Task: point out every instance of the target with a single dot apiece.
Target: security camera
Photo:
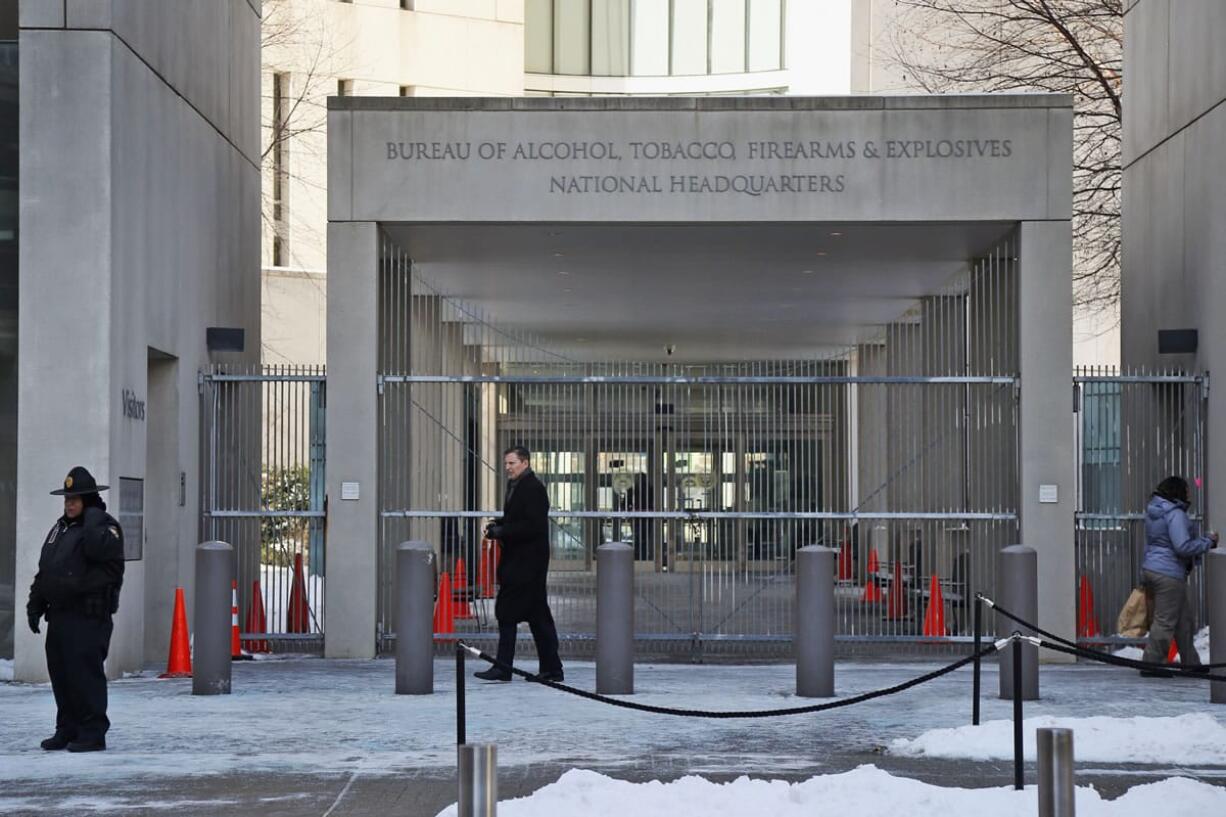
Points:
(669, 349)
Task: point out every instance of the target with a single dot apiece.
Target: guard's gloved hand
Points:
(34, 617)
(494, 531)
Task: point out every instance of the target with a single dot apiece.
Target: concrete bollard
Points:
(211, 661)
(414, 618)
(1017, 590)
(478, 772)
(1057, 792)
(1215, 590)
(815, 622)
(615, 619)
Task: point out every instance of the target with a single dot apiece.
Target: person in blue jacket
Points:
(1172, 548)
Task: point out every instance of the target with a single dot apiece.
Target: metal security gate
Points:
(1133, 430)
(262, 491)
(901, 452)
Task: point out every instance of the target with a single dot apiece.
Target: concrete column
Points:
(353, 529)
(1045, 345)
(1215, 575)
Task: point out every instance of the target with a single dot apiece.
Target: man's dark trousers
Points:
(544, 633)
(77, 645)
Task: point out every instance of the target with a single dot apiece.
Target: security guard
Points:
(77, 590)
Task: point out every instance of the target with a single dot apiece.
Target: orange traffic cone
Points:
(872, 590)
(845, 573)
(934, 616)
(460, 591)
(487, 568)
(1087, 621)
(256, 623)
(298, 617)
(179, 661)
(444, 615)
(897, 607)
(236, 649)
(1172, 653)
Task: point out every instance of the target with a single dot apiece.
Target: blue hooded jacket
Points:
(1171, 544)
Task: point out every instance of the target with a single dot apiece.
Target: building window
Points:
(689, 37)
(280, 169)
(649, 39)
(765, 35)
(610, 38)
(406, 90)
(727, 36)
(538, 36)
(344, 87)
(572, 43)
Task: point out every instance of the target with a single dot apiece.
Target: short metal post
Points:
(1056, 789)
(461, 713)
(414, 618)
(1019, 778)
(615, 619)
(1215, 589)
(815, 622)
(478, 766)
(211, 662)
(1017, 583)
(978, 661)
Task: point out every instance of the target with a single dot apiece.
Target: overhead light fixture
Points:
(821, 253)
(563, 272)
(836, 233)
(559, 255)
(806, 272)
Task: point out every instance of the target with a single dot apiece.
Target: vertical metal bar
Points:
(976, 683)
(1018, 776)
(461, 713)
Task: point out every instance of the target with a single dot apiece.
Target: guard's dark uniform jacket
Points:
(76, 589)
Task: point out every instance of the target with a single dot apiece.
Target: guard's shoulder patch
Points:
(114, 531)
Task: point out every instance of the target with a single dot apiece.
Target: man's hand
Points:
(34, 617)
(493, 531)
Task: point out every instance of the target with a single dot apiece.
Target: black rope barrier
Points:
(761, 713)
(1073, 648)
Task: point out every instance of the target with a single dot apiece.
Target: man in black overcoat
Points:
(523, 530)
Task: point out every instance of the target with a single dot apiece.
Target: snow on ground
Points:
(1193, 738)
(1201, 642)
(276, 583)
(6, 669)
(865, 790)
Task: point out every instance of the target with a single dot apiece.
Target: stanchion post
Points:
(615, 619)
(1019, 778)
(1215, 580)
(478, 767)
(1055, 761)
(460, 706)
(815, 622)
(975, 683)
(212, 662)
(1017, 583)
(414, 618)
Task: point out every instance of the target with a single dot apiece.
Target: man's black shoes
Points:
(556, 677)
(55, 743)
(1156, 673)
(493, 674)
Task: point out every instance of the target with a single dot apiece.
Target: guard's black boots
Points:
(87, 745)
(55, 743)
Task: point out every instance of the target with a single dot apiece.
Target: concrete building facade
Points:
(693, 220)
(1175, 198)
(138, 180)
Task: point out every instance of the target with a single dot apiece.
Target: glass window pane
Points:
(727, 36)
(689, 37)
(538, 36)
(649, 53)
(765, 35)
(610, 38)
(572, 31)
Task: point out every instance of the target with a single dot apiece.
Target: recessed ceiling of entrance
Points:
(713, 292)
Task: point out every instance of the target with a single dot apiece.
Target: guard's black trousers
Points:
(77, 645)
(544, 633)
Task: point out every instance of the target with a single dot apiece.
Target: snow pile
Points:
(6, 669)
(276, 584)
(1186, 739)
(865, 790)
(1200, 641)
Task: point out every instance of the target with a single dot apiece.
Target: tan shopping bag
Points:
(1136, 615)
